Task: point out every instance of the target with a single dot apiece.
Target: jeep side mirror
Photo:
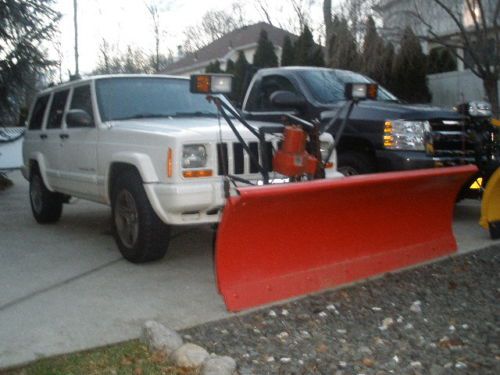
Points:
(78, 118)
(287, 99)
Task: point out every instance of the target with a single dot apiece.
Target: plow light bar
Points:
(211, 83)
(361, 91)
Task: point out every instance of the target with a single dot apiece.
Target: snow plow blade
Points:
(279, 241)
(490, 206)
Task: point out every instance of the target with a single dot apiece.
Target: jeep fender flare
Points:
(141, 162)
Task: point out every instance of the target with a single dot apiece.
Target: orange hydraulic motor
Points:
(292, 160)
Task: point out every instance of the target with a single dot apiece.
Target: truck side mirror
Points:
(78, 118)
(287, 99)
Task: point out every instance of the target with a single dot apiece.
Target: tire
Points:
(45, 205)
(354, 163)
(494, 230)
(139, 233)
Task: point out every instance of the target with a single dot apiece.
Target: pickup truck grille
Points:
(234, 160)
(450, 139)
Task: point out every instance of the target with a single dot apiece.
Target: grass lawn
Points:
(131, 357)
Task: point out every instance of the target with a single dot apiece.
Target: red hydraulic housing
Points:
(292, 160)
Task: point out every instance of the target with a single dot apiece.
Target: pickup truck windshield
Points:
(327, 86)
(138, 97)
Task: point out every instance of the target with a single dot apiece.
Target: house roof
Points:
(235, 40)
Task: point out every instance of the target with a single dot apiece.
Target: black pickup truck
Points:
(382, 135)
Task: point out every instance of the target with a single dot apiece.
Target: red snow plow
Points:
(279, 241)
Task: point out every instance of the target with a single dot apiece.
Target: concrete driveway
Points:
(65, 287)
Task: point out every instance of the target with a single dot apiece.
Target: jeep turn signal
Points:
(197, 173)
(361, 91)
(211, 83)
(170, 163)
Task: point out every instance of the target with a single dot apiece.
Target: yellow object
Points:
(490, 206)
(495, 122)
(477, 184)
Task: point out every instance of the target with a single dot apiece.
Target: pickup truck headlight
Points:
(405, 135)
(194, 156)
(325, 144)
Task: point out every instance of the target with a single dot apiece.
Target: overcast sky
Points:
(127, 22)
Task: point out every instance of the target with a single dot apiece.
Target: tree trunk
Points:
(491, 87)
(327, 15)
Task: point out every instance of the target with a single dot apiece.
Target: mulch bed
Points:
(442, 318)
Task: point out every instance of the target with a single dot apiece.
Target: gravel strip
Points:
(437, 319)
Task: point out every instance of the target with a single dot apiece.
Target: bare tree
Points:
(214, 25)
(155, 7)
(263, 8)
(301, 9)
(477, 36)
(357, 12)
(294, 24)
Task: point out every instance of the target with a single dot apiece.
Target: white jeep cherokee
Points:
(144, 145)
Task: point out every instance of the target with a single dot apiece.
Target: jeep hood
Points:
(184, 127)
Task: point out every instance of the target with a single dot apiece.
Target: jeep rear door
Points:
(79, 148)
(54, 139)
(34, 144)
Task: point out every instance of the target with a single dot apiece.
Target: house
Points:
(447, 88)
(227, 48)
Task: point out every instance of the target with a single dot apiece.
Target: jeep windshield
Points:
(327, 86)
(125, 98)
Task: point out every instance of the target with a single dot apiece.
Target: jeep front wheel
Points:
(139, 233)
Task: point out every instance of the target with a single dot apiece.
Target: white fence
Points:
(11, 141)
(451, 88)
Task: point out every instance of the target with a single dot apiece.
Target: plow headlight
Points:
(361, 91)
(211, 83)
(194, 156)
(405, 135)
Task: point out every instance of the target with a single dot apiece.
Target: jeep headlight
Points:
(194, 156)
(405, 135)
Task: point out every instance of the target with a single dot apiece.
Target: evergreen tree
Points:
(265, 57)
(373, 53)
(388, 63)
(410, 70)
(25, 27)
(230, 67)
(241, 69)
(288, 52)
(306, 51)
(441, 60)
(213, 67)
(344, 51)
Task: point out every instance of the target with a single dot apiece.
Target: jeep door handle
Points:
(64, 136)
(43, 136)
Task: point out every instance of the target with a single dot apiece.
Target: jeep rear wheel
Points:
(45, 205)
(139, 233)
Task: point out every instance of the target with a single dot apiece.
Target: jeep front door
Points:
(79, 151)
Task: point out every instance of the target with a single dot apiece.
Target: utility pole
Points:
(75, 20)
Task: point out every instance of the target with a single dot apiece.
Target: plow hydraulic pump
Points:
(292, 159)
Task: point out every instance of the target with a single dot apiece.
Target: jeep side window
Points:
(38, 112)
(57, 109)
(82, 99)
(259, 98)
